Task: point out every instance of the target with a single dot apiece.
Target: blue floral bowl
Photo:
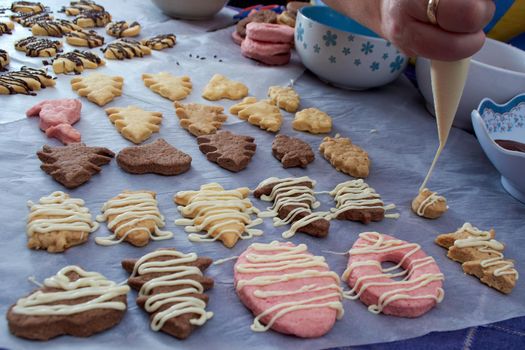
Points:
(342, 52)
(492, 122)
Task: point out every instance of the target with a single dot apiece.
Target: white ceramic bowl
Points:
(342, 52)
(493, 121)
(190, 9)
(497, 71)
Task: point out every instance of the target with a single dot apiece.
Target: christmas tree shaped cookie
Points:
(98, 88)
(168, 86)
(134, 123)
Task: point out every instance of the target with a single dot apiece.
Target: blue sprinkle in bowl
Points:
(342, 52)
(506, 121)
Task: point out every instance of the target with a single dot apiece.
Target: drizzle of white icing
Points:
(375, 243)
(173, 273)
(357, 195)
(288, 192)
(287, 258)
(219, 212)
(432, 199)
(128, 209)
(59, 212)
(89, 284)
(481, 240)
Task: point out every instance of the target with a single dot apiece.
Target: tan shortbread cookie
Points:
(313, 121)
(25, 81)
(125, 49)
(75, 7)
(84, 38)
(135, 124)
(123, 29)
(98, 88)
(58, 222)
(160, 42)
(36, 46)
(481, 255)
(6, 27)
(263, 113)
(284, 97)
(429, 204)
(168, 85)
(56, 27)
(4, 59)
(200, 119)
(345, 156)
(93, 18)
(287, 19)
(220, 87)
(76, 61)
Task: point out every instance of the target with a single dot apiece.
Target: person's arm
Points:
(458, 33)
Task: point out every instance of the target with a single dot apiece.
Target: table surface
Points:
(390, 123)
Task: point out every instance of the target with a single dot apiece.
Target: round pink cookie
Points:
(305, 323)
(269, 32)
(237, 38)
(366, 260)
(265, 52)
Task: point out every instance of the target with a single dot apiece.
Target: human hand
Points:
(457, 34)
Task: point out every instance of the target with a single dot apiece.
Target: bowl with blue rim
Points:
(344, 53)
(500, 129)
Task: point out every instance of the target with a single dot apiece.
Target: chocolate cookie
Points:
(178, 306)
(230, 151)
(293, 203)
(83, 303)
(292, 152)
(74, 164)
(265, 16)
(157, 157)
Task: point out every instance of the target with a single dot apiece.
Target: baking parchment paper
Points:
(390, 123)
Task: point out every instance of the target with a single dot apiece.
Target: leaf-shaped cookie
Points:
(221, 87)
(228, 150)
(167, 85)
(98, 88)
(291, 151)
(284, 97)
(313, 121)
(263, 114)
(200, 119)
(345, 156)
(74, 164)
(134, 123)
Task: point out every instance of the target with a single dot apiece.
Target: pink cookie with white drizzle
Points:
(288, 289)
(418, 292)
(269, 32)
(57, 118)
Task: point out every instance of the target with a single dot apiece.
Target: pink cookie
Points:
(237, 38)
(419, 291)
(54, 113)
(63, 132)
(269, 53)
(288, 289)
(269, 32)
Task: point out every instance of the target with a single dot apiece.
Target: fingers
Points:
(459, 16)
(427, 40)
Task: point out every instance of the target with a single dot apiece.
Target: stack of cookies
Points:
(268, 43)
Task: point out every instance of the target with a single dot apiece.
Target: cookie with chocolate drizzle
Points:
(160, 42)
(27, 7)
(29, 19)
(90, 19)
(122, 29)
(4, 59)
(38, 47)
(25, 81)
(75, 7)
(125, 49)
(76, 61)
(6, 28)
(56, 28)
(84, 38)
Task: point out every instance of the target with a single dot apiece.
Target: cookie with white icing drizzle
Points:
(356, 201)
(171, 289)
(419, 290)
(73, 302)
(288, 289)
(58, 222)
(429, 204)
(293, 200)
(134, 217)
(223, 214)
(481, 255)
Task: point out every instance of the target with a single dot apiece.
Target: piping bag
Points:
(448, 81)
